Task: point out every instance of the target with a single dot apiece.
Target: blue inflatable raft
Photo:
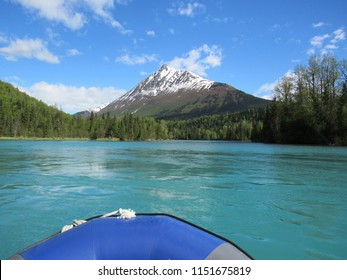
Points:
(144, 237)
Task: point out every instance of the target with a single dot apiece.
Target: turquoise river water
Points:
(276, 202)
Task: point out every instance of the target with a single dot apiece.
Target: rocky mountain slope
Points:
(173, 94)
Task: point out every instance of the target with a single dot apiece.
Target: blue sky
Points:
(77, 54)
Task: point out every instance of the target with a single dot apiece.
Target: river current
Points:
(274, 201)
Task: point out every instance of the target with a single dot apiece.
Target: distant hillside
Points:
(25, 116)
(22, 116)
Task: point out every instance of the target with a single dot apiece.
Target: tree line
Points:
(310, 105)
(243, 126)
(126, 128)
(22, 116)
(26, 117)
(240, 126)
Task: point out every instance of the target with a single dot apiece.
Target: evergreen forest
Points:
(22, 116)
(310, 105)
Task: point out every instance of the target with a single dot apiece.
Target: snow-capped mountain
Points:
(167, 80)
(97, 108)
(171, 93)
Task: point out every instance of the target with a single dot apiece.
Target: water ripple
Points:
(277, 202)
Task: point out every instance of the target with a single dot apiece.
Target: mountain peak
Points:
(166, 67)
(169, 68)
(167, 80)
(170, 93)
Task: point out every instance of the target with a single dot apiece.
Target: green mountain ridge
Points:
(186, 104)
(176, 94)
(25, 116)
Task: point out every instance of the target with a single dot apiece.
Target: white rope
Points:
(110, 214)
(75, 223)
(120, 213)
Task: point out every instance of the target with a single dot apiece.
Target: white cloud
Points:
(279, 26)
(190, 9)
(72, 13)
(14, 80)
(317, 41)
(102, 9)
(54, 37)
(296, 60)
(56, 10)
(319, 24)
(266, 90)
(28, 48)
(123, 2)
(172, 31)
(73, 99)
(199, 60)
(3, 38)
(311, 51)
(218, 19)
(135, 59)
(339, 35)
(324, 46)
(73, 52)
(330, 47)
(150, 33)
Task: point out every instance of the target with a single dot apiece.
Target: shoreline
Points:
(75, 139)
(148, 140)
(45, 139)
